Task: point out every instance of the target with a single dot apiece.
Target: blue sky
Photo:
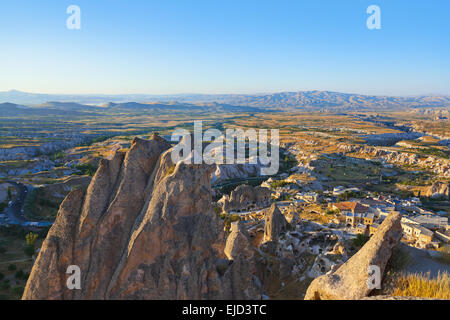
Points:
(209, 46)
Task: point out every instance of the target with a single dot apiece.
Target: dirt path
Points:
(14, 261)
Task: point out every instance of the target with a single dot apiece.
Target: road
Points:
(14, 212)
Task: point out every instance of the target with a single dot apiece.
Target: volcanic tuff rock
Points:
(349, 282)
(437, 190)
(439, 166)
(225, 172)
(246, 198)
(275, 224)
(238, 242)
(144, 229)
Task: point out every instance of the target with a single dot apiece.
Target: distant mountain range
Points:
(8, 109)
(277, 101)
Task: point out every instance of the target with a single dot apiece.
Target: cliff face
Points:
(145, 228)
(142, 230)
(437, 190)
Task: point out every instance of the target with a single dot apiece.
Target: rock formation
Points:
(437, 190)
(349, 282)
(439, 166)
(225, 172)
(275, 224)
(245, 198)
(144, 229)
(238, 243)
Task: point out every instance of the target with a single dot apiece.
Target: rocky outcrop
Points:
(275, 224)
(388, 139)
(144, 229)
(349, 282)
(48, 276)
(437, 190)
(245, 198)
(439, 166)
(58, 191)
(238, 243)
(225, 172)
(26, 153)
(244, 272)
(25, 167)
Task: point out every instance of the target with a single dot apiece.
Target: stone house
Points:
(307, 196)
(423, 235)
(361, 228)
(349, 206)
(373, 228)
(369, 219)
(352, 219)
(408, 230)
(419, 233)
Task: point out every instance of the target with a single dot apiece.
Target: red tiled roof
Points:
(351, 206)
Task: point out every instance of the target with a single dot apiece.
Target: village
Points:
(360, 212)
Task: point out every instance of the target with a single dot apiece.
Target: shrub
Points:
(420, 285)
(360, 240)
(2, 250)
(87, 169)
(229, 219)
(277, 184)
(1, 276)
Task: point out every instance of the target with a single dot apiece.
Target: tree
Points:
(9, 193)
(31, 239)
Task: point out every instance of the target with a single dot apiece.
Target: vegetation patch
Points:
(422, 285)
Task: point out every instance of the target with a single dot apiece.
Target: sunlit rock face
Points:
(143, 229)
(349, 282)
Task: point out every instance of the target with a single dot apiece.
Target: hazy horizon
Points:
(218, 93)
